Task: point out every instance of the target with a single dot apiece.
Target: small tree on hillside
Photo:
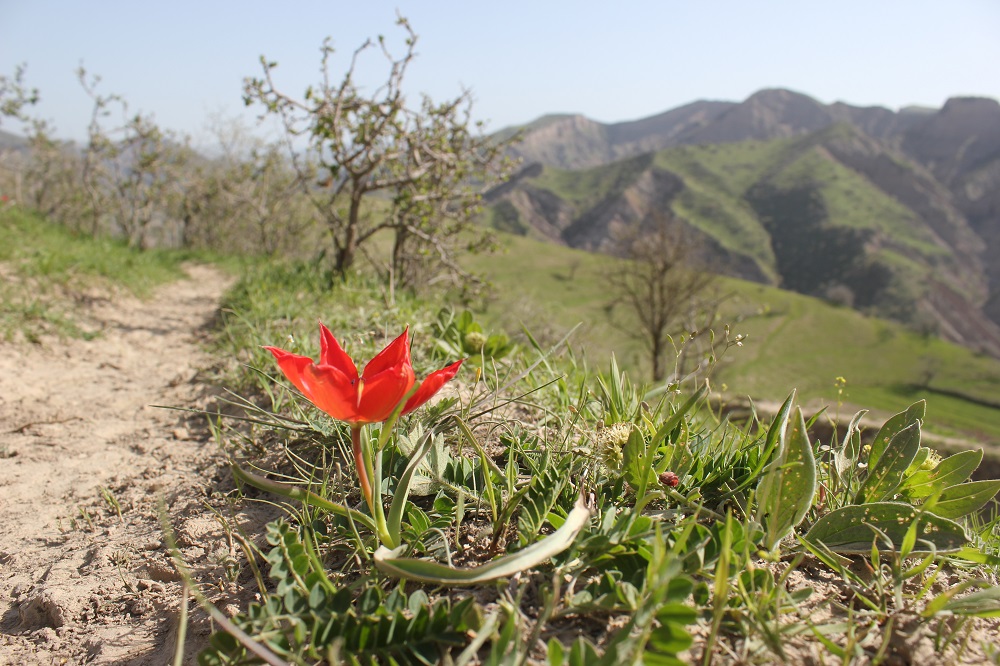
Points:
(369, 163)
(658, 284)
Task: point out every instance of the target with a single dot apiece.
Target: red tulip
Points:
(334, 385)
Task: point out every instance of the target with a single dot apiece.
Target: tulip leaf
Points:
(402, 492)
(426, 571)
(302, 495)
(951, 471)
(786, 491)
(886, 473)
(963, 499)
(853, 529)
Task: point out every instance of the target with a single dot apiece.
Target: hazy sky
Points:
(611, 61)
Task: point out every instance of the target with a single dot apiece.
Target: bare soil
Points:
(81, 441)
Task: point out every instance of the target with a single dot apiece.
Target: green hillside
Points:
(794, 341)
(801, 213)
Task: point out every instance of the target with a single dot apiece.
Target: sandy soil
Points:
(79, 433)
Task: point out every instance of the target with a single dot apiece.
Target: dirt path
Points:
(77, 583)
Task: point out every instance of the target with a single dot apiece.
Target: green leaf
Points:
(786, 491)
(951, 471)
(402, 493)
(894, 426)
(671, 423)
(963, 499)
(850, 448)
(556, 656)
(984, 603)
(886, 473)
(970, 554)
(543, 493)
(852, 529)
(637, 462)
(777, 430)
(923, 453)
(426, 571)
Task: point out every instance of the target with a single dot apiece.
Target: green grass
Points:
(585, 189)
(716, 178)
(806, 344)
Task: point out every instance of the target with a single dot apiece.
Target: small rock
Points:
(138, 607)
(181, 434)
(151, 585)
(46, 635)
(44, 607)
(162, 572)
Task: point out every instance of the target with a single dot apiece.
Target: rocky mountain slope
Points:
(896, 212)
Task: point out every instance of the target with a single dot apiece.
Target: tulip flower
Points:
(334, 385)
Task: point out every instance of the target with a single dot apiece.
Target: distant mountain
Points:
(574, 141)
(891, 211)
(10, 141)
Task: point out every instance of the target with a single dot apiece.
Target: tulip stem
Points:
(369, 469)
(362, 467)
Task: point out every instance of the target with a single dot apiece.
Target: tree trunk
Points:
(656, 356)
(349, 245)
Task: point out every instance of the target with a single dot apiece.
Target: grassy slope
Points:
(718, 176)
(795, 341)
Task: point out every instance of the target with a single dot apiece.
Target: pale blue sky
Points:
(611, 61)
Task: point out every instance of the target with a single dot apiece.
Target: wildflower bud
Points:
(930, 462)
(610, 441)
(474, 341)
(669, 479)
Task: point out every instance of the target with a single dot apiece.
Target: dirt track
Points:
(78, 583)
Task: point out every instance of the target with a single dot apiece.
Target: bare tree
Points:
(658, 284)
(369, 163)
(132, 170)
(15, 96)
(247, 198)
(52, 176)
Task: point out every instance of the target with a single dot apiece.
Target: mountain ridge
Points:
(908, 200)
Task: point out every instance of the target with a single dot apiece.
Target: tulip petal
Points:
(292, 365)
(383, 392)
(332, 391)
(431, 385)
(325, 386)
(396, 352)
(331, 353)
